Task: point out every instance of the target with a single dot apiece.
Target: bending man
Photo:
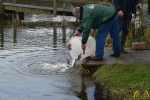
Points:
(104, 19)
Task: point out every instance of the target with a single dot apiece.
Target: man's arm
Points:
(118, 8)
(79, 30)
(139, 4)
(117, 5)
(87, 24)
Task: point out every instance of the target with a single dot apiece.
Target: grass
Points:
(124, 79)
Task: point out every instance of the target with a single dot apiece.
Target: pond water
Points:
(33, 64)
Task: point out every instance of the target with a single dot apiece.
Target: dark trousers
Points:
(124, 23)
(148, 5)
(103, 30)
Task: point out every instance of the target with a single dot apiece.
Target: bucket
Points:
(75, 50)
(139, 45)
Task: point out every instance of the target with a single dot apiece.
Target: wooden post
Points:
(2, 36)
(1, 7)
(54, 8)
(148, 7)
(64, 5)
(14, 1)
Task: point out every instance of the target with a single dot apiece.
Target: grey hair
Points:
(76, 10)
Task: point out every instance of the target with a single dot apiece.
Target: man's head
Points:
(76, 12)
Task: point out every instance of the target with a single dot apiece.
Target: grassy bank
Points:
(124, 79)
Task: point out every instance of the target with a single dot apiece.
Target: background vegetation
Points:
(145, 1)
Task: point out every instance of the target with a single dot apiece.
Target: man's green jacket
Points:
(92, 15)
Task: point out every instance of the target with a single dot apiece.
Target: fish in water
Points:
(73, 62)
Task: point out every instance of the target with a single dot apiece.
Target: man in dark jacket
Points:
(148, 7)
(125, 9)
(104, 19)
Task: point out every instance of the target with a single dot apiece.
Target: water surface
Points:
(34, 63)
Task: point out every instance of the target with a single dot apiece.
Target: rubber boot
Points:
(123, 40)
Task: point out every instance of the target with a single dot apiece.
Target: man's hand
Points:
(120, 13)
(76, 33)
(83, 48)
(139, 6)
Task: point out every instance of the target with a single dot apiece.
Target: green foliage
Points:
(84, 72)
(145, 1)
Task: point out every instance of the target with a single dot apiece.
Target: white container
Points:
(74, 47)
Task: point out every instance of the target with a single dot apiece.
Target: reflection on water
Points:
(33, 64)
(94, 92)
(86, 88)
(1, 37)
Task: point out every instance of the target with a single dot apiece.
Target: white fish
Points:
(75, 60)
